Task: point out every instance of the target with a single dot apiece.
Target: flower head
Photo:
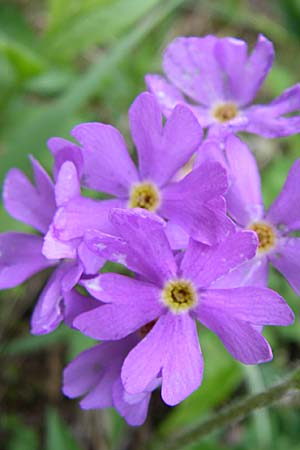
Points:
(95, 375)
(23, 254)
(193, 203)
(172, 293)
(275, 227)
(221, 81)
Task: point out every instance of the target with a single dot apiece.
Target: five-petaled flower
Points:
(275, 227)
(22, 254)
(173, 292)
(195, 203)
(219, 81)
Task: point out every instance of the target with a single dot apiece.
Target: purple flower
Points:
(194, 203)
(22, 255)
(221, 81)
(95, 375)
(275, 228)
(174, 292)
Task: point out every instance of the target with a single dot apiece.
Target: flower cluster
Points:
(187, 222)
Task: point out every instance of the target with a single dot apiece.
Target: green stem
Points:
(228, 415)
(261, 418)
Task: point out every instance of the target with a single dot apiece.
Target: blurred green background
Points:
(67, 61)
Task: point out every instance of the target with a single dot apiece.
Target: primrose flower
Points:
(171, 294)
(195, 203)
(218, 80)
(21, 254)
(275, 227)
(95, 375)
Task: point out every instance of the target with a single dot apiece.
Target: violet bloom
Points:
(21, 254)
(174, 294)
(220, 81)
(195, 203)
(275, 227)
(95, 375)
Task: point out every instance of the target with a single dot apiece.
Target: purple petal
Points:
(256, 305)
(183, 364)
(120, 289)
(81, 214)
(287, 102)
(75, 304)
(94, 372)
(251, 273)
(205, 225)
(48, 313)
(26, 202)
(100, 396)
(110, 359)
(172, 345)
(145, 235)
(68, 185)
(146, 129)
(255, 70)
(20, 258)
(191, 65)
(285, 210)
(53, 248)
(84, 371)
(108, 166)
(286, 259)
(244, 199)
(204, 264)
(134, 413)
(134, 300)
(91, 262)
(211, 150)
(186, 203)
(167, 95)
(114, 249)
(231, 55)
(243, 341)
(62, 151)
(177, 237)
(144, 362)
(207, 181)
(72, 275)
(268, 120)
(162, 152)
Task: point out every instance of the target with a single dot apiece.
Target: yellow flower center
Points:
(223, 112)
(266, 236)
(144, 195)
(179, 295)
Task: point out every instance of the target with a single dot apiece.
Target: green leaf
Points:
(51, 82)
(13, 25)
(280, 78)
(18, 43)
(19, 435)
(31, 344)
(31, 134)
(291, 11)
(58, 435)
(99, 24)
(60, 10)
(23, 59)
